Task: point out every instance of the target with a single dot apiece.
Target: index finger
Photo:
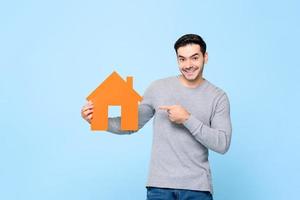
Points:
(165, 108)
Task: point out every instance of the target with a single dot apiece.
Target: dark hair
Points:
(190, 39)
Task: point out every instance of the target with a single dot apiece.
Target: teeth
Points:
(189, 71)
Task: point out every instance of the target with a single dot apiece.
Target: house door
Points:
(114, 111)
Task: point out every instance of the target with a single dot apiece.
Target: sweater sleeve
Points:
(217, 136)
(145, 113)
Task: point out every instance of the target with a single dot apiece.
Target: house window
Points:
(114, 111)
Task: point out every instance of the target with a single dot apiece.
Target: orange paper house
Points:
(117, 92)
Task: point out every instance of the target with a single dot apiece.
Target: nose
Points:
(188, 64)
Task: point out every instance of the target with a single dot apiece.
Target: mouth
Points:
(189, 71)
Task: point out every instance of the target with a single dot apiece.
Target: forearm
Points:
(216, 139)
(114, 124)
(145, 113)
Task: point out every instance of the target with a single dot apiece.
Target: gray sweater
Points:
(179, 157)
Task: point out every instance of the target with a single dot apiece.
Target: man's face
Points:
(191, 61)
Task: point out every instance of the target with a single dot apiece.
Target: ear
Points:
(205, 57)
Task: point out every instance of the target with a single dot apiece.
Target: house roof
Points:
(115, 86)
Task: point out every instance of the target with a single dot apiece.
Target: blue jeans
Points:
(154, 193)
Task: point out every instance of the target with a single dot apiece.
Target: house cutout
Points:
(117, 92)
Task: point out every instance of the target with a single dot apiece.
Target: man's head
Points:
(191, 56)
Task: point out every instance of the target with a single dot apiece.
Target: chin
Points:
(192, 79)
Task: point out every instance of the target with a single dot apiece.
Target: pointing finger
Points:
(167, 108)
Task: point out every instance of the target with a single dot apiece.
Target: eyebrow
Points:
(196, 54)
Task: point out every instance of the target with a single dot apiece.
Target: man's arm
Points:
(217, 136)
(145, 113)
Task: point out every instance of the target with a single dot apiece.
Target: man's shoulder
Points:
(163, 81)
(159, 85)
(215, 90)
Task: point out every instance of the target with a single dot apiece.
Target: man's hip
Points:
(156, 193)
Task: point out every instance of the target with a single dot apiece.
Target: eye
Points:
(195, 58)
(181, 59)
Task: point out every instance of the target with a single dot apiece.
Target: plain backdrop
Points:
(54, 53)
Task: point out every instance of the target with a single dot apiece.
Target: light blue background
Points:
(54, 53)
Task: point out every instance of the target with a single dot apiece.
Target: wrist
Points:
(187, 116)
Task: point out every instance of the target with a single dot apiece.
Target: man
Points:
(191, 115)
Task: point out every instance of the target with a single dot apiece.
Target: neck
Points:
(191, 84)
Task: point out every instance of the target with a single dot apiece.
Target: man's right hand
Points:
(87, 111)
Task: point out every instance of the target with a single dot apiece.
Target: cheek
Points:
(200, 64)
(181, 66)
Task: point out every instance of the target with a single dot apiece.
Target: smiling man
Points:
(191, 117)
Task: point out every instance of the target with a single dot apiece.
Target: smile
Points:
(189, 71)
